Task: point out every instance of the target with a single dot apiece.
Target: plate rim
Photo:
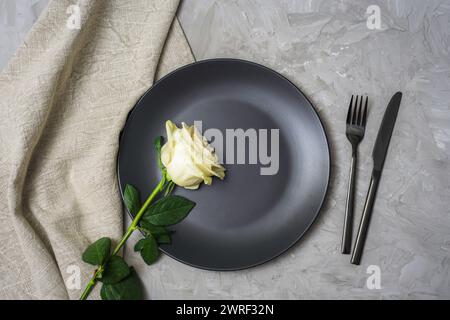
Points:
(283, 78)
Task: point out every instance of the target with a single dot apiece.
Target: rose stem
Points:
(130, 230)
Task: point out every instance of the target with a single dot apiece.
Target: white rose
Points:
(188, 157)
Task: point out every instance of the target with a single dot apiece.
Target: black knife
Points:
(379, 155)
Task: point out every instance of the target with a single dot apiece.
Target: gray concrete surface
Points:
(326, 48)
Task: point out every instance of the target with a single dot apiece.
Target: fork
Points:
(355, 128)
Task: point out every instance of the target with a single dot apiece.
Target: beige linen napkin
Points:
(63, 99)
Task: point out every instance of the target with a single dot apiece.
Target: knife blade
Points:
(379, 156)
(385, 132)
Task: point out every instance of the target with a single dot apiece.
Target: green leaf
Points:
(97, 252)
(149, 251)
(164, 239)
(152, 229)
(139, 245)
(132, 199)
(168, 210)
(116, 269)
(157, 144)
(128, 289)
(148, 248)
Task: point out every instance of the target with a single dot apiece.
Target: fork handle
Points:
(348, 219)
(365, 218)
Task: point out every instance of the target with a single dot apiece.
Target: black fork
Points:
(356, 124)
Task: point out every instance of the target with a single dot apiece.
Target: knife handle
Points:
(348, 219)
(365, 218)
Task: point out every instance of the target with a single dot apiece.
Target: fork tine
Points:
(364, 118)
(355, 110)
(349, 111)
(359, 116)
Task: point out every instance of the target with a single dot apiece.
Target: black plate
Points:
(248, 218)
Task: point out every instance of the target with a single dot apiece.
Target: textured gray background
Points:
(325, 47)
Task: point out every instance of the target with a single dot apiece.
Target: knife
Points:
(379, 155)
